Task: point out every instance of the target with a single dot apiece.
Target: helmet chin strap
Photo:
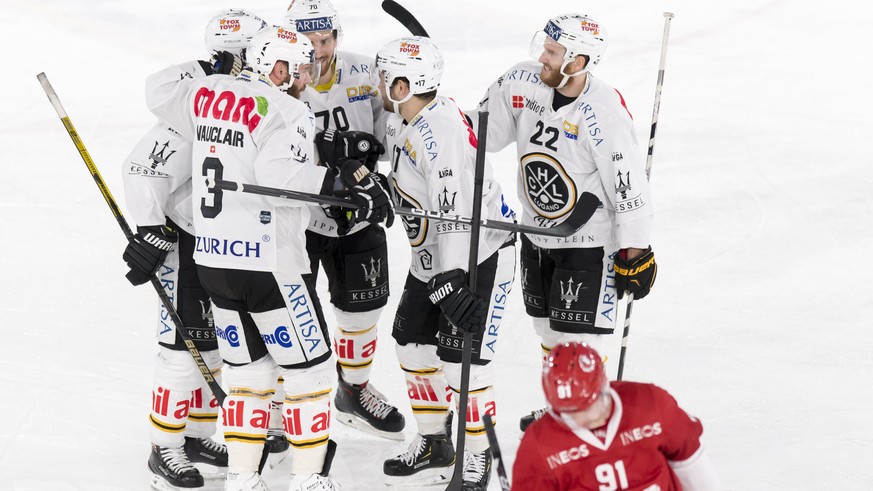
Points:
(396, 102)
(566, 76)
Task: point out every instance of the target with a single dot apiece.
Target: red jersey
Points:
(647, 429)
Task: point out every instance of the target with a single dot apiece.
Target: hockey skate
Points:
(206, 451)
(534, 415)
(317, 482)
(364, 408)
(477, 470)
(249, 481)
(429, 460)
(172, 470)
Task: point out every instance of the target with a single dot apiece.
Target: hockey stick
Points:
(113, 206)
(495, 452)
(403, 16)
(467, 347)
(579, 216)
(668, 16)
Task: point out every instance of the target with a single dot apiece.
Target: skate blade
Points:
(160, 484)
(358, 423)
(427, 477)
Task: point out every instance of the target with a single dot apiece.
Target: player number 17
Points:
(611, 476)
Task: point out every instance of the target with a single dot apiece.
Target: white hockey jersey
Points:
(157, 179)
(352, 102)
(243, 129)
(433, 166)
(587, 145)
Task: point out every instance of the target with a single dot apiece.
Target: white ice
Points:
(760, 322)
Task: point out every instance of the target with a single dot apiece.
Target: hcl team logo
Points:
(375, 271)
(568, 294)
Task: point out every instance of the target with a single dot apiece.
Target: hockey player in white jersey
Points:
(250, 251)
(574, 133)
(157, 184)
(349, 118)
(433, 153)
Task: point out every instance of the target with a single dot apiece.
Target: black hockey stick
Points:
(403, 16)
(467, 344)
(217, 391)
(668, 16)
(495, 452)
(579, 215)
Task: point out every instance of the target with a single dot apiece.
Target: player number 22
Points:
(611, 476)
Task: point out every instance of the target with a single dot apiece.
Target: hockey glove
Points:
(334, 146)
(344, 218)
(226, 63)
(636, 275)
(147, 250)
(374, 203)
(462, 308)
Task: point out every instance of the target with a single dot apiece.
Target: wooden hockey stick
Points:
(668, 16)
(402, 15)
(495, 452)
(219, 393)
(579, 215)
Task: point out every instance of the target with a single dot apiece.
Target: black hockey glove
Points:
(462, 308)
(226, 63)
(334, 146)
(147, 250)
(373, 201)
(344, 218)
(636, 275)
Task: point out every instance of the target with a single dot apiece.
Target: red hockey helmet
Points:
(573, 377)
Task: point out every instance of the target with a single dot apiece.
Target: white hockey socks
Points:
(355, 344)
(182, 403)
(306, 416)
(480, 401)
(246, 413)
(426, 386)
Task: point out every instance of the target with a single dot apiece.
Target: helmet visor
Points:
(542, 44)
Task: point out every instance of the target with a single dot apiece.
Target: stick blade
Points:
(403, 16)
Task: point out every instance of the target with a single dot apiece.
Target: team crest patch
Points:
(548, 188)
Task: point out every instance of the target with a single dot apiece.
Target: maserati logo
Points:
(568, 293)
(160, 158)
(623, 185)
(524, 272)
(447, 201)
(375, 271)
(206, 312)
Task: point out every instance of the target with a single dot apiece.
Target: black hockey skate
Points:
(362, 407)
(534, 415)
(172, 469)
(206, 451)
(477, 470)
(429, 460)
(276, 441)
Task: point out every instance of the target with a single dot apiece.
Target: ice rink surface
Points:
(760, 321)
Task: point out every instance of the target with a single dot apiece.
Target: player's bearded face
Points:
(324, 43)
(552, 58)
